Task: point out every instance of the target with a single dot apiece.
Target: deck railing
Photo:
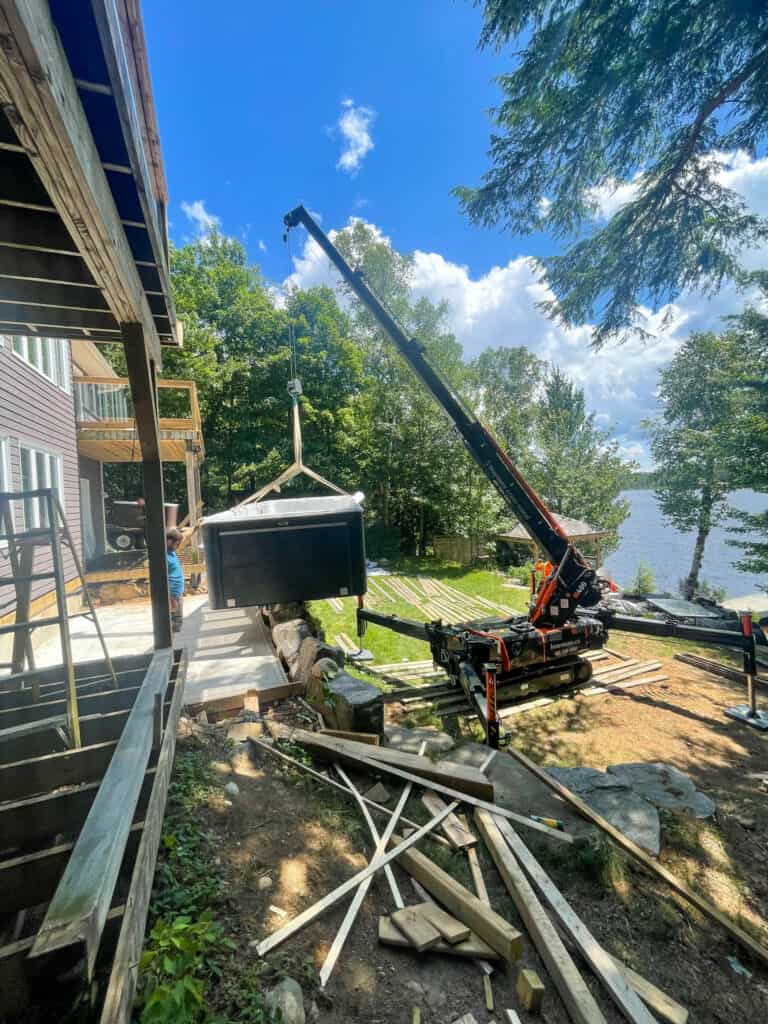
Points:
(105, 403)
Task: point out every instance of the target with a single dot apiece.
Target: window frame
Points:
(57, 352)
(6, 480)
(31, 510)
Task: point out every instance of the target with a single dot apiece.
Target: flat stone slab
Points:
(409, 740)
(663, 785)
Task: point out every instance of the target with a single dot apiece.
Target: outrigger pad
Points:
(743, 713)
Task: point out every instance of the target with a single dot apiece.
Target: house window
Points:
(40, 469)
(49, 356)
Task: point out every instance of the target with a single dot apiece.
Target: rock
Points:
(264, 883)
(630, 814)
(410, 740)
(232, 789)
(188, 729)
(285, 612)
(748, 823)
(313, 1014)
(585, 780)
(288, 638)
(323, 668)
(378, 793)
(663, 785)
(312, 650)
(347, 703)
(202, 718)
(287, 999)
(239, 732)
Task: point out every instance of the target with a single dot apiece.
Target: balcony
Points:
(106, 428)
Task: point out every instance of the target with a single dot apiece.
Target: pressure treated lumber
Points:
(79, 908)
(397, 898)
(451, 930)
(578, 1000)
(118, 1001)
(716, 669)
(460, 778)
(359, 737)
(474, 865)
(457, 835)
(336, 785)
(87, 703)
(530, 990)
(466, 907)
(276, 938)
(358, 758)
(473, 947)
(421, 934)
(744, 940)
(601, 963)
(663, 1006)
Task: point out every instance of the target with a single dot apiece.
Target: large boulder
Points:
(288, 638)
(347, 703)
(312, 650)
(278, 613)
(286, 1001)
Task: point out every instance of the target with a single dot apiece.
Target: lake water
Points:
(646, 537)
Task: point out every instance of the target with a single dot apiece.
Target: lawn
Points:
(388, 647)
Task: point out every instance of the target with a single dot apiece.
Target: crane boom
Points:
(573, 582)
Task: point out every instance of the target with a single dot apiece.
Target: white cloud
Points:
(500, 307)
(354, 126)
(262, 246)
(196, 212)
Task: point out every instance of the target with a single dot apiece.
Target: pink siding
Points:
(37, 413)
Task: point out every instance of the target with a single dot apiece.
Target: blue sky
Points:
(377, 110)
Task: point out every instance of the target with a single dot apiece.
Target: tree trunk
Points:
(702, 532)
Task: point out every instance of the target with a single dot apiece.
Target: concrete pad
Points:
(410, 740)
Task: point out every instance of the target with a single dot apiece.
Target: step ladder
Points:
(44, 508)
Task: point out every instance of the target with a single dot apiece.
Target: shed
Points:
(578, 531)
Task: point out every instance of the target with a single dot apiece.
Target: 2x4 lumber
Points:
(79, 908)
(35, 775)
(308, 915)
(388, 873)
(747, 943)
(25, 822)
(457, 835)
(87, 703)
(578, 1000)
(474, 868)
(451, 930)
(358, 760)
(55, 691)
(465, 907)
(118, 1001)
(30, 880)
(466, 780)
(336, 785)
(371, 738)
(141, 374)
(357, 900)
(601, 963)
(472, 947)
(37, 84)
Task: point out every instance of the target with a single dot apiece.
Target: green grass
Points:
(387, 646)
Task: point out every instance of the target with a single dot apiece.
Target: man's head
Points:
(172, 538)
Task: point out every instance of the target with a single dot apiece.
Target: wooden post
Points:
(193, 505)
(141, 375)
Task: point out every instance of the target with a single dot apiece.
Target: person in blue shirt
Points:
(175, 578)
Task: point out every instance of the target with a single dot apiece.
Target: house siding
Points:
(91, 470)
(35, 412)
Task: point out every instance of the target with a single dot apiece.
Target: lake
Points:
(644, 536)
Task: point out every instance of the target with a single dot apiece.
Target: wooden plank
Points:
(451, 930)
(416, 928)
(27, 822)
(121, 989)
(662, 1004)
(488, 991)
(50, 124)
(358, 761)
(31, 879)
(627, 684)
(308, 915)
(23, 779)
(473, 947)
(457, 835)
(474, 868)
(752, 946)
(78, 910)
(88, 704)
(578, 1000)
(485, 922)
(716, 669)
(360, 737)
(361, 803)
(601, 963)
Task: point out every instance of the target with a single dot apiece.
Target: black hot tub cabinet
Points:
(293, 549)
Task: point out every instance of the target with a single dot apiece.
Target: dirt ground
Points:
(307, 840)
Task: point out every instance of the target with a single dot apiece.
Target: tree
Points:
(505, 383)
(687, 442)
(576, 468)
(647, 95)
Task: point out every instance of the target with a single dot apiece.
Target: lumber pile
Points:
(450, 920)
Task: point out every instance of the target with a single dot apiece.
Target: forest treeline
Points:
(368, 424)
